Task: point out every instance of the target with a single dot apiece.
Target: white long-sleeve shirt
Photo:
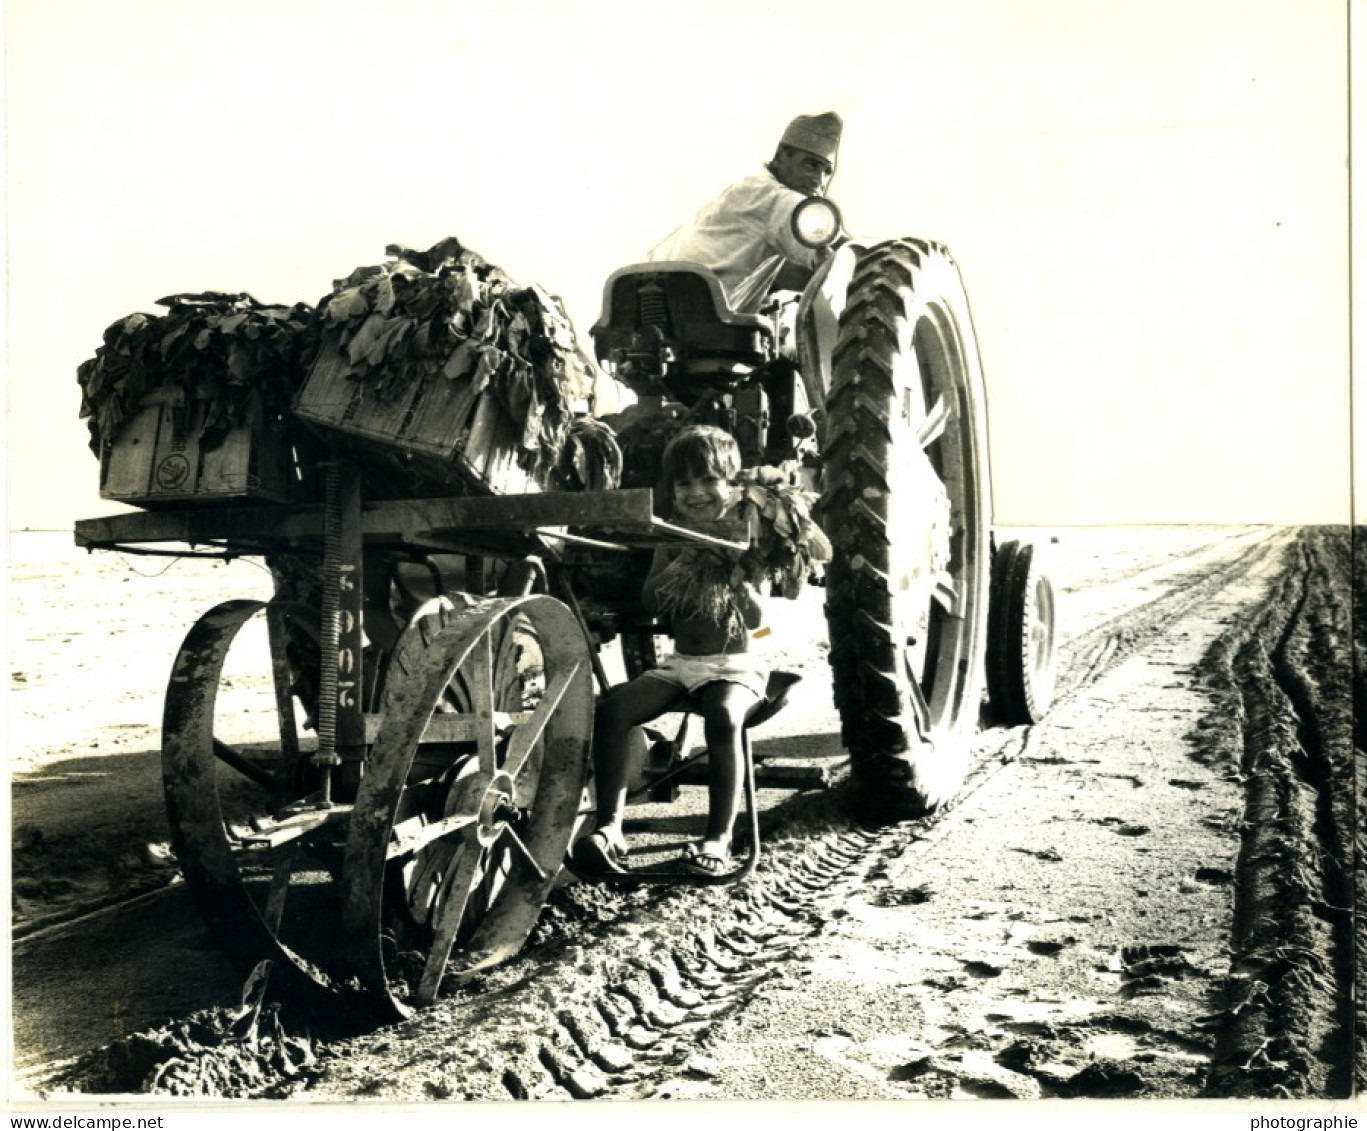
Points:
(749, 222)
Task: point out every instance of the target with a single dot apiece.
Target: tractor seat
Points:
(685, 304)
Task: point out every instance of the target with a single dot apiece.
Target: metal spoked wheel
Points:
(1021, 655)
(471, 793)
(905, 502)
(258, 855)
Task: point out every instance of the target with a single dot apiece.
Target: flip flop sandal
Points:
(596, 855)
(698, 862)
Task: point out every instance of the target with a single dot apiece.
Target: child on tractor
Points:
(712, 670)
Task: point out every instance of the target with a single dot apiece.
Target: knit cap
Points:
(819, 134)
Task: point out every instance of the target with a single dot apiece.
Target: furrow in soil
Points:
(1284, 673)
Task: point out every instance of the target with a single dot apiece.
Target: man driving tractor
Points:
(738, 235)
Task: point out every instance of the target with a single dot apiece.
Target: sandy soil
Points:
(1146, 895)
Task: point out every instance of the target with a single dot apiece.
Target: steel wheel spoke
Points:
(526, 852)
(946, 594)
(920, 707)
(283, 681)
(933, 426)
(424, 878)
(505, 665)
(253, 771)
(529, 732)
(415, 834)
(480, 682)
(452, 900)
(274, 913)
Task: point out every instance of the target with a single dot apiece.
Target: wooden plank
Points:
(380, 420)
(629, 509)
(332, 398)
(126, 468)
(174, 471)
(457, 425)
(442, 416)
(195, 527)
(177, 468)
(326, 393)
(226, 469)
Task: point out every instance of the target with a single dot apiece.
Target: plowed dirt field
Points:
(1148, 894)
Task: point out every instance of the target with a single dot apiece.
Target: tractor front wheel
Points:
(1021, 656)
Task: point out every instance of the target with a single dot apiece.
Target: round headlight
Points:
(816, 222)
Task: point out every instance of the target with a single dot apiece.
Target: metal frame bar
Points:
(624, 517)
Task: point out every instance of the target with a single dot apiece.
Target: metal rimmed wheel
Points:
(471, 794)
(257, 850)
(1021, 653)
(905, 501)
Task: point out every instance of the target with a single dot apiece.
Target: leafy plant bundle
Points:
(216, 348)
(785, 547)
(590, 459)
(448, 314)
(643, 432)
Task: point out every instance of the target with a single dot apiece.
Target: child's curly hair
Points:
(696, 451)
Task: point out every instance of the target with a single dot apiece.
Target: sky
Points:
(1148, 199)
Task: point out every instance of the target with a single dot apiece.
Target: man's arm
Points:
(778, 229)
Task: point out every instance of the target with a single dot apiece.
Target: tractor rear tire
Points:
(1021, 659)
(905, 502)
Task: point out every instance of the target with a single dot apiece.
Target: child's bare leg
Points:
(723, 707)
(624, 707)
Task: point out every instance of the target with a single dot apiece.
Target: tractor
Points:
(866, 385)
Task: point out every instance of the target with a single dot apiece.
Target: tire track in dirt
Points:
(618, 1006)
(641, 1029)
(1284, 676)
(1101, 646)
(1202, 544)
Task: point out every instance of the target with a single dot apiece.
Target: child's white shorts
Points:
(694, 672)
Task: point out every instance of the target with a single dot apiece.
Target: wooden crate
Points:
(446, 430)
(157, 457)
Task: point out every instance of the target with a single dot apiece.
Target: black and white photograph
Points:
(748, 553)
